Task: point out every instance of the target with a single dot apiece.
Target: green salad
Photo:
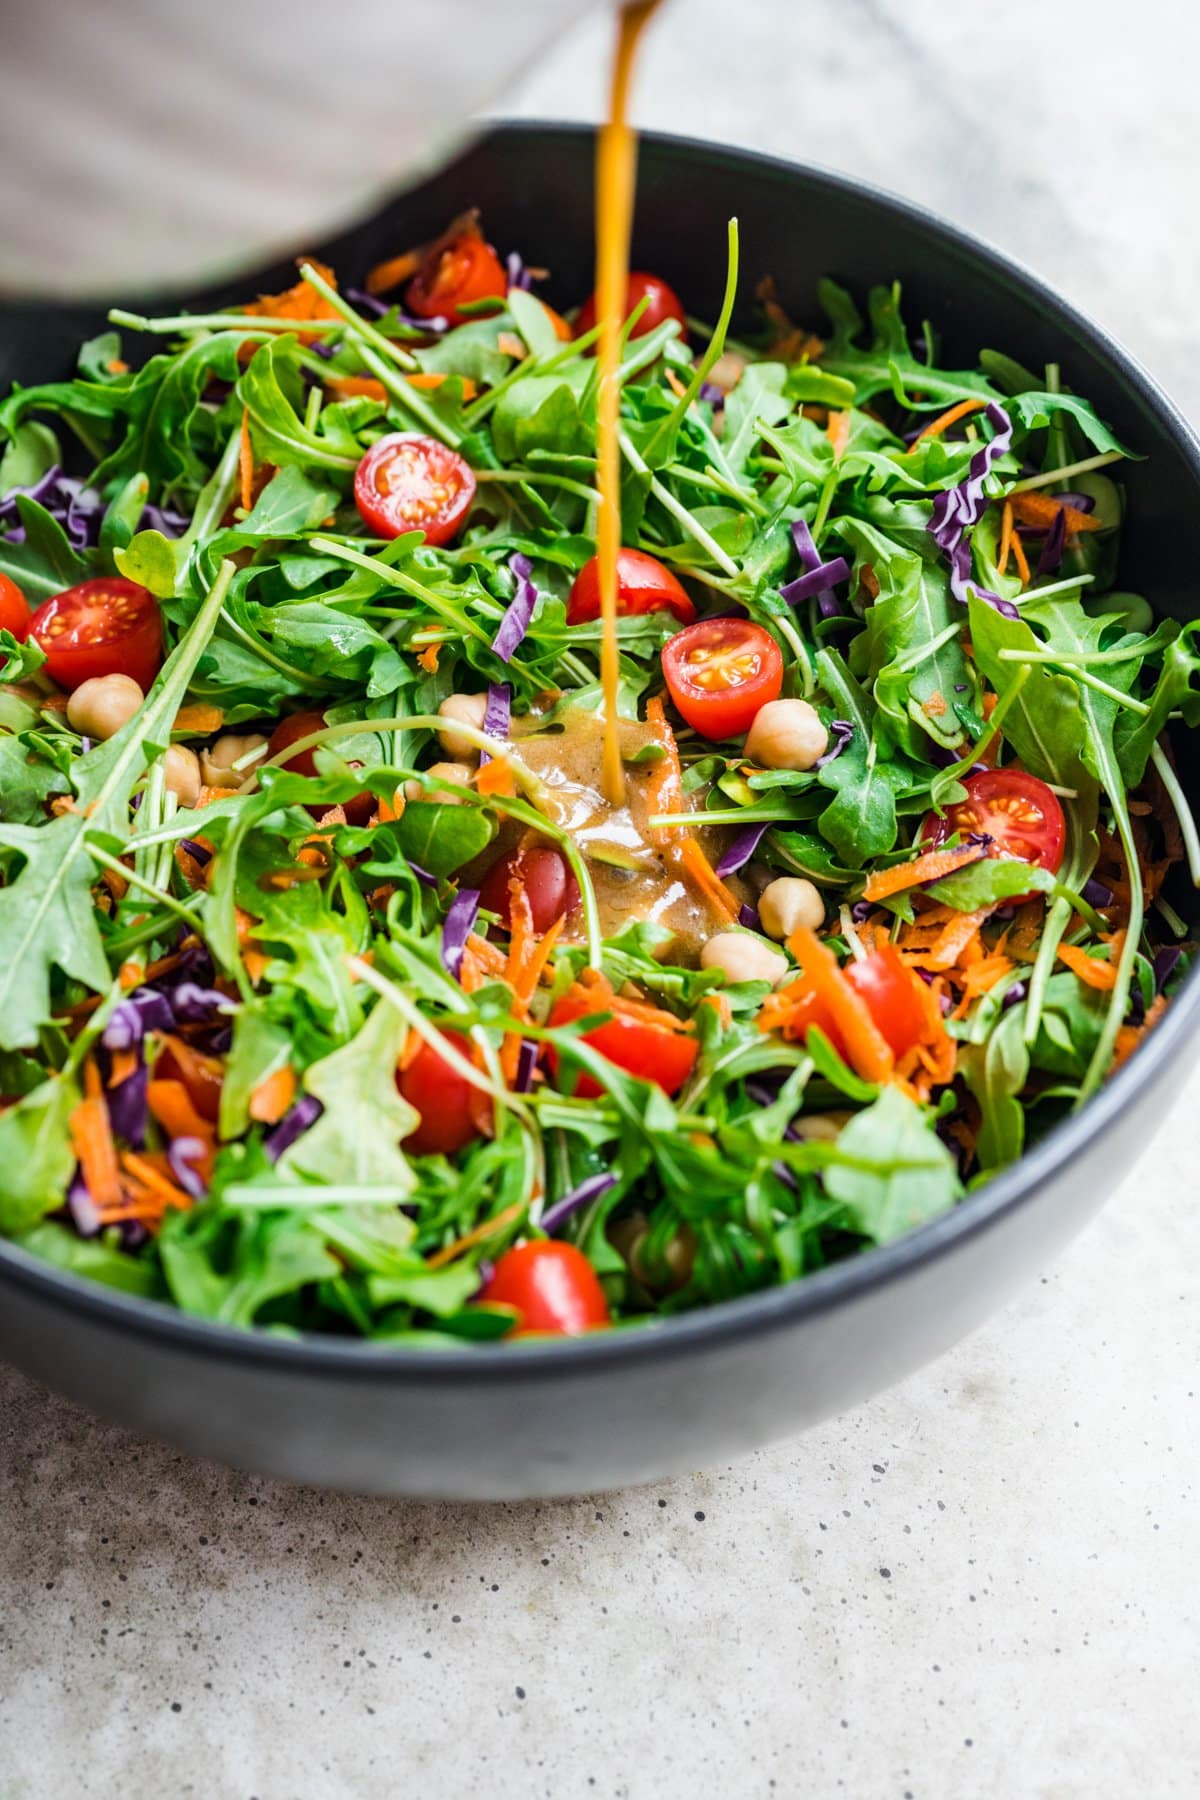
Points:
(337, 991)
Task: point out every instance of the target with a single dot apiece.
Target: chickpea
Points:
(216, 763)
(98, 708)
(787, 903)
(821, 1128)
(181, 770)
(671, 1271)
(442, 771)
(744, 957)
(786, 734)
(461, 709)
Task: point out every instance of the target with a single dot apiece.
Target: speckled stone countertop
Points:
(981, 1584)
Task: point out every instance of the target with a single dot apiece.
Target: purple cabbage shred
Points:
(561, 1211)
(294, 1124)
(843, 731)
(957, 510)
(1051, 557)
(1165, 964)
(515, 623)
(497, 713)
(1096, 894)
(748, 917)
(457, 928)
(517, 274)
(182, 1153)
(527, 1058)
(742, 848)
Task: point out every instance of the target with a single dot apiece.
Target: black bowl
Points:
(555, 1418)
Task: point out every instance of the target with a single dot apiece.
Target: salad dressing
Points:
(616, 160)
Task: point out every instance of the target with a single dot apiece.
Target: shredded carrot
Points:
(664, 789)
(720, 1005)
(246, 462)
(116, 366)
(954, 939)
(867, 1049)
(495, 777)
(1091, 970)
(945, 420)
(433, 378)
(92, 1141)
(122, 1064)
(1130, 1036)
(488, 1229)
(387, 810)
(1006, 537)
(673, 382)
(143, 1171)
(697, 866)
(428, 658)
(352, 387)
(272, 1097)
(597, 990)
(932, 866)
(838, 433)
(200, 719)
(535, 963)
(521, 932)
(1021, 560)
(171, 1105)
(391, 273)
(1033, 508)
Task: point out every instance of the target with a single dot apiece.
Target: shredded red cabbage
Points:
(182, 1152)
(742, 848)
(1052, 550)
(85, 1214)
(127, 1106)
(957, 510)
(561, 1211)
(294, 1123)
(527, 1058)
(518, 275)
(1095, 892)
(842, 731)
(748, 916)
(458, 925)
(515, 623)
(497, 713)
(1165, 964)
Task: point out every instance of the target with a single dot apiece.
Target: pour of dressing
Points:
(616, 163)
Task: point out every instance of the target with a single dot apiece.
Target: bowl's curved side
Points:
(544, 1419)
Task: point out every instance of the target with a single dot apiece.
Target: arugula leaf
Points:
(860, 822)
(93, 1258)
(438, 838)
(36, 1158)
(357, 1138)
(892, 1172)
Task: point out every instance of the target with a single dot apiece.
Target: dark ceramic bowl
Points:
(555, 1418)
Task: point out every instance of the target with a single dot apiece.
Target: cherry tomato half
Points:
(454, 275)
(449, 1106)
(549, 885)
(359, 807)
(553, 1286)
(1018, 812)
(643, 586)
(890, 989)
(107, 626)
(407, 482)
(651, 1052)
(720, 671)
(662, 303)
(14, 609)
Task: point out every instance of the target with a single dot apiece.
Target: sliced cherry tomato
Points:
(552, 1285)
(454, 275)
(14, 609)
(1018, 812)
(720, 671)
(449, 1106)
(643, 586)
(359, 807)
(107, 626)
(549, 884)
(662, 303)
(640, 1047)
(890, 990)
(407, 482)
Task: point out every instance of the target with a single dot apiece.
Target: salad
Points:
(334, 993)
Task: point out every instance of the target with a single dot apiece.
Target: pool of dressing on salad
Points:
(630, 864)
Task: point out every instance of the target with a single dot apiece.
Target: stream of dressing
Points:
(616, 164)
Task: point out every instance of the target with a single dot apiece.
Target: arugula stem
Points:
(409, 397)
(391, 577)
(247, 323)
(1183, 812)
(716, 345)
(143, 883)
(362, 328)
(679, 511)
(1076, 468)
(1073, 664)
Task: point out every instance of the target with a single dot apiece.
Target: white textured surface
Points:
(983, 1583)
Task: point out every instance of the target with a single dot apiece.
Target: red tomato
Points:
(549, 884)
(640, 1047)
(107, 626)
(890, 990)
(663, 303)
(449, 1106)
(553, 1286)
(643, 586)
(455, 274)
(299, 725)
(720, 671)
(1018, 812)
(14, 609)
(407, 482)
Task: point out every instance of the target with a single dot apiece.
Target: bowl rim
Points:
(771, 1309)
